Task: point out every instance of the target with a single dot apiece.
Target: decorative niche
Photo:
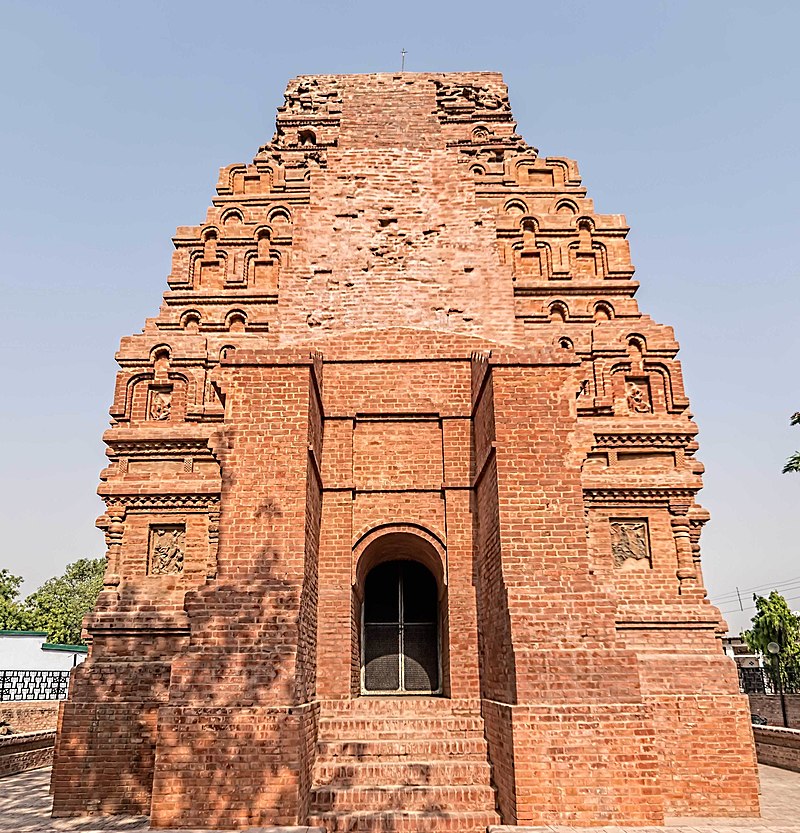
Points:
(159, 402)
(637, 395)
(630, 542)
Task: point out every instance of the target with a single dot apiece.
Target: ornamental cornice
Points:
(298, 120)
(492, 142)
(166, 446)
(294, 196)
(179, 297)
(502, 190)
(545, 231)
(643, 440)
(170, 501)
(141, 362)
(598, 496)
(475, 116)
(594, 290)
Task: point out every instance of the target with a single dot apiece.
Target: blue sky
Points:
(684, 116)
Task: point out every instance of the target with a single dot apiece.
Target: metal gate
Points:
(400, 630)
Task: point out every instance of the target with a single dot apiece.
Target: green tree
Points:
(774, 622)
(793, 463)
(13, 616)
(60, 604)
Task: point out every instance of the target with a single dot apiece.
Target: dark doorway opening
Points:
(400, 637)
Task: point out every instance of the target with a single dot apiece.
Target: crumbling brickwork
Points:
(401, 335)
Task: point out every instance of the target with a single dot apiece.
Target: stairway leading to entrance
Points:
(402, 764)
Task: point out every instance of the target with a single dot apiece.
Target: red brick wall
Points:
(776, 746)
(29, 750)
(769, 706)
(233, 693)
(104, 759)
(498, 677)
(402, 333)
(30, 715)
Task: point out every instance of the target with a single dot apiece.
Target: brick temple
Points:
(401, 518)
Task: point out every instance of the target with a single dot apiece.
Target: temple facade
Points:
(401, 502)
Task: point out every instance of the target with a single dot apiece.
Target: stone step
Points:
(410, 750)
(389, 728)
(400, 706)
(404, 822)
(398, 797)
(432, 773)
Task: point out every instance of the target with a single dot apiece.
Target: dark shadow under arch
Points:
(400, 629)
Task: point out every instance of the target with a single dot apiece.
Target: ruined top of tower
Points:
(394, 200)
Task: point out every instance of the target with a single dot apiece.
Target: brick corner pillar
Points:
(570, 738)
(235, 740)
(111, 714)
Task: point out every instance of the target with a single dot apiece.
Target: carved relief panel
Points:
(159, 402)
(630, 542)
(637, 395)
(157, 396)
(166, 549)
(461, 99)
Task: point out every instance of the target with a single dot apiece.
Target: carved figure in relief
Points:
(166, 550)
(160, 405)
(629, 540)
(638, 399)
(457, 96)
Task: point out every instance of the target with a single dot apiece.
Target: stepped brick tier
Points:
(401, 518)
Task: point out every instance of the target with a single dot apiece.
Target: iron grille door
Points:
(401, 633)
(420, 657)
(382, 657)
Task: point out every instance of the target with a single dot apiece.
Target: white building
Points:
(29, 651)
(737, 649)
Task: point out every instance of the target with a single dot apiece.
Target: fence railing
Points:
(33, 685)
(755, 681)
(758, 681)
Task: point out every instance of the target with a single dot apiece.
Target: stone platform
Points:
(25, 805)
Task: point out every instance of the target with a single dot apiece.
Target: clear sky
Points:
(684, 116)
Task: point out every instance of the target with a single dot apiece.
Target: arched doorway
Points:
(400, 630)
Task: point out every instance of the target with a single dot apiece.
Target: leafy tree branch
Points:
(58, 606)
(793, 463)
(775, 622)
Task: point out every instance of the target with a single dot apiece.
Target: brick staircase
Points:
(402, 764)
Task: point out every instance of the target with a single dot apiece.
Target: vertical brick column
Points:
(334, 648)
(568, 732)
(462, 639)
(335, 628)
(234, 740)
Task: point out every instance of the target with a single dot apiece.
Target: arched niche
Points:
(399, 613)
(399, 541)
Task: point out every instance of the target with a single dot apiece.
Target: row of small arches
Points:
(162, 353)
(279, 214)
(601, 311)
(235, 320)
(235, 178)
(496, 155)
(564, 206)
(262, 235)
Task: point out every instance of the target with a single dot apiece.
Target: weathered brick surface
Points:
(776, 746)
(27, 750)
(769, 707)
(400, 333)
(30, 715)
